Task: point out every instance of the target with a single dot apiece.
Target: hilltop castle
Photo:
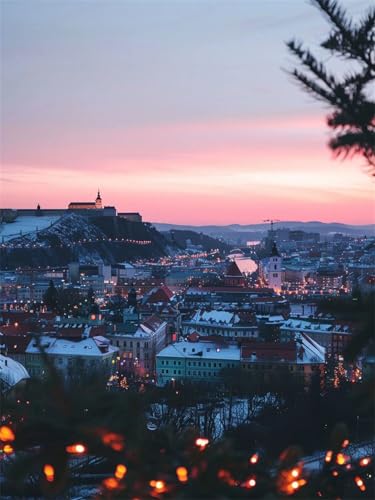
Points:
(87, 205)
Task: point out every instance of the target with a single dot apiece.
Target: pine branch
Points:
(309, 61)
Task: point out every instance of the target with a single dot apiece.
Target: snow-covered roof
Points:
(312, 351)
(246, 265)
(63, 347)
(309, 326)
(201, 350)
(11, 372)
(215, 316)
(276, 318)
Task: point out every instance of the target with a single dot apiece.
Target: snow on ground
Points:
(26, 224)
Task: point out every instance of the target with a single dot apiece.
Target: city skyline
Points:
(180, 111)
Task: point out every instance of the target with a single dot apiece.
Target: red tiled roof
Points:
(15, 344)
(153, 322)
(13, 330)
(160, 294)
(270, 351)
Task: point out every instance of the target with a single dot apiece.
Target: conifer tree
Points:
(352, 116)
(50, 297)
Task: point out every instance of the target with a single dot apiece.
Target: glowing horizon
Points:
(185, 122)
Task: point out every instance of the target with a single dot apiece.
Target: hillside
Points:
(75, 238)
(98, 239)
(184, 238)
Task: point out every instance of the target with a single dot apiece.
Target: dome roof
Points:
(11, 372)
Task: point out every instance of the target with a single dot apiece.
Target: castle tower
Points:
(98, 201)
(274, 269)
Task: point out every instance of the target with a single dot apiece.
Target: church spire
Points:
(274, 250)
(98, 201)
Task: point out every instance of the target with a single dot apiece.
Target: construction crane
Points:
(271, 221)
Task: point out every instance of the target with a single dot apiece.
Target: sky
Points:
(182, 110)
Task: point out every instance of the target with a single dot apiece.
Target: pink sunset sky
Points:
(172, 109)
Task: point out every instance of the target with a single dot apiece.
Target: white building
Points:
(271, 270)
(71, 357)
(140, 343)
(228, 324)
(195, 361)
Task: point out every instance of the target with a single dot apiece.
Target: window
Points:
(275, 275)
(162, 362)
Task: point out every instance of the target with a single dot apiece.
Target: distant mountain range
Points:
(240, 233)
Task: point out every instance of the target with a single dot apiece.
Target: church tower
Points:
(274, 269)
(98, 201)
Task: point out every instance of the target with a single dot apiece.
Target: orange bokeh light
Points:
(77, 449)
(49, 472)
(6, 433)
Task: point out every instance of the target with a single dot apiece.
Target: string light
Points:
(6, 434)
(251, 482)
(121, 471)
(364, 461)
(8, 449)
(110, 483)
(254, 458)
(341, 459)
(77, 449)
(328, 456)
(201, 443)
(114, 441)
(182, 474)
(359, 482)
(49, 472)
(158, 485)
